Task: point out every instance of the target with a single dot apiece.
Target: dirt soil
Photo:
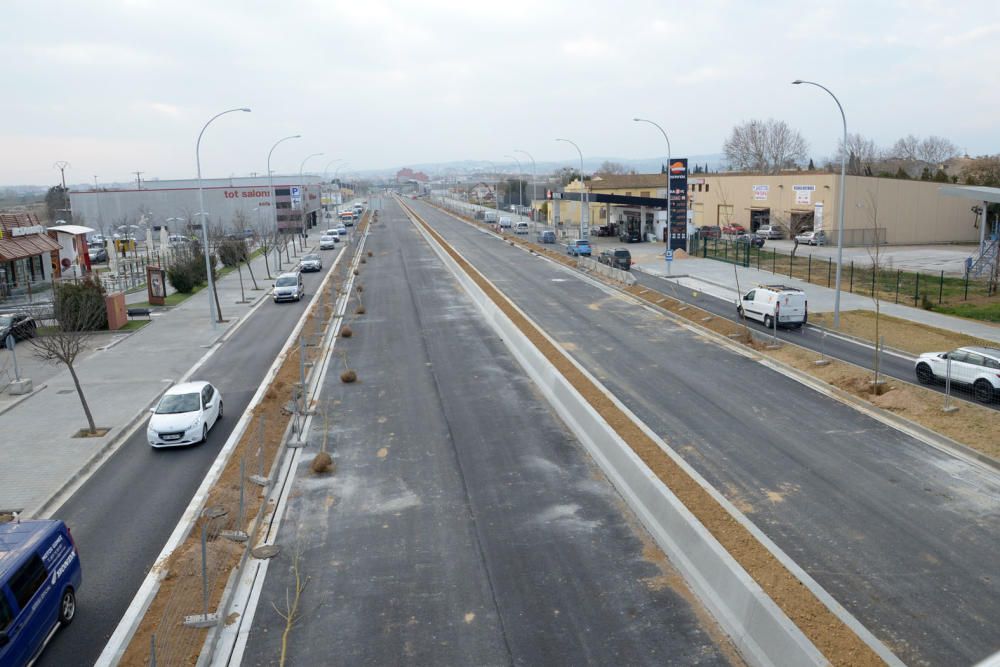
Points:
(180, 591)
(899, 334)
(829, 634)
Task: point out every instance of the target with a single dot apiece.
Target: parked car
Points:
(310, 262)
(21, 325)
(546, 236)
(98, 253)
(753, 239)
(578, 247)
(328, 241)
(627, 235)
(770, 232)
(288, 287)
(185, 415)
(40, 575)
(619, 258)
(786, 306)
(734, 229)
(607, 230)
(710, 232)
(812, 238)
(976, 367)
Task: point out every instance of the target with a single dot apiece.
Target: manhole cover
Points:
(266, 551)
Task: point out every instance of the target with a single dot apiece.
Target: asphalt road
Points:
(464, 525)
(891, 365)
(122, 516)
(902, 534)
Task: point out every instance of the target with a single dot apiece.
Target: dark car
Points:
(629, 236)
(546, 236)
(98, 254)
(710, 232)
(754, 240)
(619, 258)
(19, 324)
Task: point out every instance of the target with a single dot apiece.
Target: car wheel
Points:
(67, 607)
(983, 391)
(739, 311)
(220, 412)
(204, 433)
(768, 322)
(924, 374)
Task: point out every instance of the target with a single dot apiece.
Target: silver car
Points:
(288, 287)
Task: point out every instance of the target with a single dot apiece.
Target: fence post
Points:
(851, 290)
(809, 269)
(966, 286)
(898, 273)
(791, 262)
(916, 290)
(774, 262)
(941, 288)
(829, 270)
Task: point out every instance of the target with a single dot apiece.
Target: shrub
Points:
(83, 302)
(346, 331)
(232, 252)
(321, 463)
(188, 271)
(348, 376)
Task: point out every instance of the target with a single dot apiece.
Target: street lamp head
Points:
(245, 109)
(797, 82)
(638, 120)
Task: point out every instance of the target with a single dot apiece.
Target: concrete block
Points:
(19, 387)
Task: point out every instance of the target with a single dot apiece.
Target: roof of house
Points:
(17, 247)
(619, 181)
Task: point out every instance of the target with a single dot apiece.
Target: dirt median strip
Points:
(825, 630)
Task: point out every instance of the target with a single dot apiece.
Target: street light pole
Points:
(270, 181)
(496, 189)
(213, 306)
(670, 188)
(840, 206)
(534, 180)
(520, 192)
(303, 186)
(583, 207)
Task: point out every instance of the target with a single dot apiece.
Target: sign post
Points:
(677, 195)
(669, 256)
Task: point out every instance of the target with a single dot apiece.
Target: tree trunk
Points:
(215, 294)
(250, 269)
(267, 264)
(83, 399)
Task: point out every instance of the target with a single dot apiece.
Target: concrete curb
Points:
(758, 627)
(22, 399)
(119, 640)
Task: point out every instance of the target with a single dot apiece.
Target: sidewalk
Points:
(120, 382)
(718, 279)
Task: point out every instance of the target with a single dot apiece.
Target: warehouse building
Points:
(232, 205)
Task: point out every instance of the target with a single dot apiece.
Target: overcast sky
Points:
(114, 86)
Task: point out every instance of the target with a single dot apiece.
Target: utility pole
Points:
(138, 179)
(62, 165)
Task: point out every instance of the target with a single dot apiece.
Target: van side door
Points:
(34, 618)
(749, 305)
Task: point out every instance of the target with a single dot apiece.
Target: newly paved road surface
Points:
(464, 525)
(901, 534)
(122, 516)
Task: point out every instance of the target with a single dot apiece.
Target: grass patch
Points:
(989, 312)
(899, 334)
(172, 299)
(134, 325)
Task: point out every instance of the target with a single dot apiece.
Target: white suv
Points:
(977, 367)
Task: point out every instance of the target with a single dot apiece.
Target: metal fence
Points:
(914, 288)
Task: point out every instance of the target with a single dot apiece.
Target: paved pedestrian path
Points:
(121, 381)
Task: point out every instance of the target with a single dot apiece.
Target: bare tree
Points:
(907, 148)
(862, 154)
(79, 312)
(874, 253)
(764, 145)
(610, 168)
(937, 150)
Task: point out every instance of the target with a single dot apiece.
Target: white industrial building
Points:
(231, 204)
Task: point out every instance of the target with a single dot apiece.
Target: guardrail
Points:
(611, 273)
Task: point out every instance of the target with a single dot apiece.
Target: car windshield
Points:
(173, 404)
(311, 258)
(286, 281)
(6, 320)
(582, 243)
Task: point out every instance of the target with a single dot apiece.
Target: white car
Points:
(812, 238)
(976, 367)
(770, 232)
(185, 415)
(328, 241)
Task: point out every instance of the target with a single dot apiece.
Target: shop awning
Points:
(19, 247)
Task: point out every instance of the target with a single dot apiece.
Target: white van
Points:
(521, 227)
(505, 222)
(787, 306)
(490, 216)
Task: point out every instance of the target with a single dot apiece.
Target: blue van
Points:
(39, 576)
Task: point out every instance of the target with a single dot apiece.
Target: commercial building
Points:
(897, 211)
(29, 258)
(232, 204)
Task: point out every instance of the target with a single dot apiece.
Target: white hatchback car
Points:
(328, 241)
(976, 367)
(185, 415)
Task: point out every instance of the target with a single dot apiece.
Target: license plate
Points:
(171, 437)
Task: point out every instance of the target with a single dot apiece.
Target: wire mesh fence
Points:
(944, 293)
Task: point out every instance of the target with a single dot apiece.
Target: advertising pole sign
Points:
(296, 195)
(818, 217)
(678, 194)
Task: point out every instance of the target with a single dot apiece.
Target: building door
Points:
(759, 217)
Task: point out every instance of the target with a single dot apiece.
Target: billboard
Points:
(677, 178)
